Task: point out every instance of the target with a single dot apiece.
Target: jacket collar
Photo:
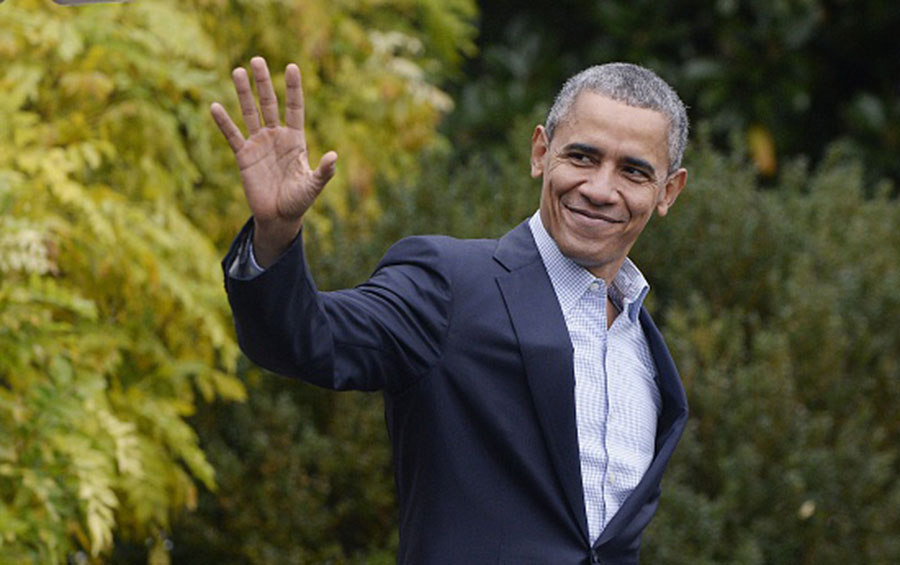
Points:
(516, 249)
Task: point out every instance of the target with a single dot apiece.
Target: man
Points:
(531, 402)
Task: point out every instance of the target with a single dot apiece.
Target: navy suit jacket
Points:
(467, 341)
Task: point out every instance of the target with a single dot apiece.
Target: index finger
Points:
(294, 111)
(226, 125)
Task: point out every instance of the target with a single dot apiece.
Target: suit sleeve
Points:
(384, 334)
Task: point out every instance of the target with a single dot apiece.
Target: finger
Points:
(231, 132)
(294, 111)
(268, 103)
(245, 97)
(325, 170)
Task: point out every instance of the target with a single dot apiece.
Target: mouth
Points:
(592, 216)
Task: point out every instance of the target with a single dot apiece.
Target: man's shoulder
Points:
(441, 248)
(464, 259)
(471, 248)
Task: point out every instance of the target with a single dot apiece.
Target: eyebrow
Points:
(596, 152)
(583, 148)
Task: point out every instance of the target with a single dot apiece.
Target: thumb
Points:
(325, 170)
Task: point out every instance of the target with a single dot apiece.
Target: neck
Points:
(612, 311)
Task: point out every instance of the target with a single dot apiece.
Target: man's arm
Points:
(384, 334)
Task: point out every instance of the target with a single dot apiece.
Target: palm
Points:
(275, 172)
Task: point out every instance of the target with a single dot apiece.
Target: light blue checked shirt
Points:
(617, 402)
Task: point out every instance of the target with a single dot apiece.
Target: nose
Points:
(600, 187)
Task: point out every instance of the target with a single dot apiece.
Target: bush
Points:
(777, 305)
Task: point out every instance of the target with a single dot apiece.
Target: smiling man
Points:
(531, 402)
(604, 173)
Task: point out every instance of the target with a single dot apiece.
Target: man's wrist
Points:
(272, 239)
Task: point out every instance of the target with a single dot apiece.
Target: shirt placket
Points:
(592, 400)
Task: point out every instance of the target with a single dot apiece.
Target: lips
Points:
(592, 215)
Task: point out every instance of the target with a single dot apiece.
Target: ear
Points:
(673, 187)
(539, 147)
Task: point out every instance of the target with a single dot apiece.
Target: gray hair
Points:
(632, 85)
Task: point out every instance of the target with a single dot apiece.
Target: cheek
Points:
(563, 180)
(642, 204)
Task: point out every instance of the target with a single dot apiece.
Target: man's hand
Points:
(278, 182)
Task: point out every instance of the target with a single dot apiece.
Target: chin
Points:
(595, 262)
(583, 257)
(577, 248)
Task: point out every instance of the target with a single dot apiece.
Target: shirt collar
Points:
(570, 280)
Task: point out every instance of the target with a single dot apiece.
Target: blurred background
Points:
(132, 430)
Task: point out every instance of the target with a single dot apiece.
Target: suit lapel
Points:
(547, 355)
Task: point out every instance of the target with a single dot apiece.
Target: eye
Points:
(581, 159)
(636, 173)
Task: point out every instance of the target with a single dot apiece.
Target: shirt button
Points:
(594, 286)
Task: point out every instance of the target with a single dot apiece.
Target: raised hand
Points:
(278, 182)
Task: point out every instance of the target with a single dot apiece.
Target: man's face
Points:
(603, 175)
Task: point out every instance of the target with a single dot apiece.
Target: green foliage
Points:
(790, 76)
(112, 318)
(305, 478)
(778, 307)
(369, 69)
(116, 197)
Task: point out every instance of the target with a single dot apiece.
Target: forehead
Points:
(608, 124)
